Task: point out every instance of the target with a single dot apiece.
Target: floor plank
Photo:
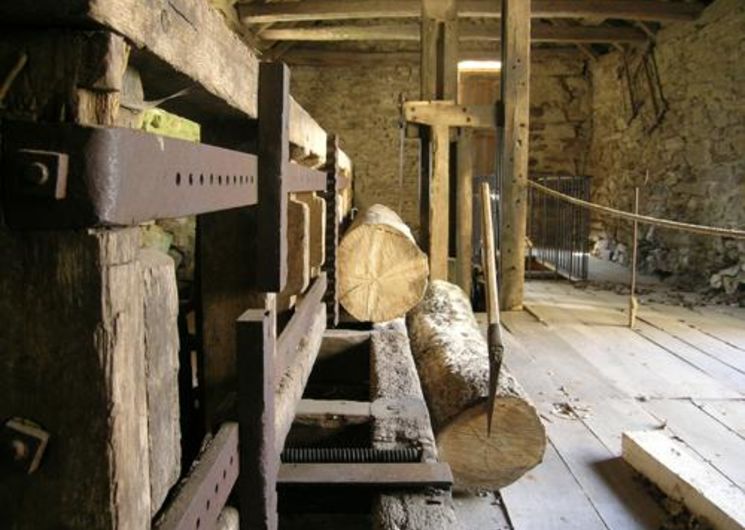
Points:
(705, 435)
(549, 498)
(605, 478)
(730, 413)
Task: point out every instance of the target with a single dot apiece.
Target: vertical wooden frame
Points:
(256, 343)
(274, 155)
(514, 150)
(332, 228)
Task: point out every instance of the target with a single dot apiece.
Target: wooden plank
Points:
(709, 438)
(312, 408)
(540, 33)
(609, 418)
(274, 115)
(308, 10)
(439, 203)
(308, 138)
(299, 354)
(317, 208)
(684, 476)
(514, 150)
(572, 376)
(712, 321)
(464, 209)
(666, 327)
(606, 480)
(298, 251)
(638, 366)
(530, 499)
(259, 459)
(450, 114)
(728, 412)
(408, 475)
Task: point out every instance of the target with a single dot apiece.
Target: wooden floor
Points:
(593, 378)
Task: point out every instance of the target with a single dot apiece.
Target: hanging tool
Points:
(494, 329)
(401, 142)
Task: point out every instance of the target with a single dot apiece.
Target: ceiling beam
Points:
(308, 10)
(334, 57)
(541, 33)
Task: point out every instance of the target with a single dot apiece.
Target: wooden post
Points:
(439, 203)
(274, 155)
(439, 80)
(514, 149)
(464, 206)
(259, 462)
(73, 351)
(633, 304)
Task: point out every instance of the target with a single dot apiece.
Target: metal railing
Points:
(558, 232)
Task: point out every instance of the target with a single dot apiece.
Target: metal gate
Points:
(558, 232)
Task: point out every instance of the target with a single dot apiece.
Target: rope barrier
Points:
(644, 219)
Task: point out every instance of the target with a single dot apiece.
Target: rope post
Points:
(633, 303)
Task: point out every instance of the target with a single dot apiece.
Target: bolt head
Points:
(36, 173)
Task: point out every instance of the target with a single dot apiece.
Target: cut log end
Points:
(382, 272)
(516, 444)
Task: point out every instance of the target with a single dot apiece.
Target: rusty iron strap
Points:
(70, 176)
(204, 492)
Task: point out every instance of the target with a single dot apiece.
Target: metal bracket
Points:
(205, 491)
(23, 444)
(71, 176)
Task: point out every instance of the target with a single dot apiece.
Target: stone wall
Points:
(560, 113)
(360, 103)
(696, 154)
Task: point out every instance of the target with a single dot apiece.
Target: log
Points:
(450, 352)
(382, 271)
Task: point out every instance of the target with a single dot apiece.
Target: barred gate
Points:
(558, 232)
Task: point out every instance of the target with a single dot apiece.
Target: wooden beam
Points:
(450, 114)
(439, 203)
(176, 45)
(334, 57)
(464, 209)
(645, 10)
(683, 475)
(514, 150)
(306, 136)
(541, 33)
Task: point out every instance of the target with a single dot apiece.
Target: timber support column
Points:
(514, 149)
(464, 208)
(439, 81)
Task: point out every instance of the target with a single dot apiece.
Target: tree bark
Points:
(451, 355)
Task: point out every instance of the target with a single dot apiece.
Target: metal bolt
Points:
(19, 450)
(36, 173)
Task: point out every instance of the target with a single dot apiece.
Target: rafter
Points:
(307, 10)
(469, 32)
